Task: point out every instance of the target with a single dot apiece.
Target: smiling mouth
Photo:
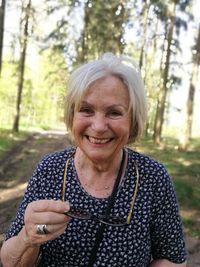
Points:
(94, 140)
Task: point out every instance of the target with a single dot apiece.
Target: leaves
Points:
(68, 32)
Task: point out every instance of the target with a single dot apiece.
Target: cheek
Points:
(122, 127)
(79, 124)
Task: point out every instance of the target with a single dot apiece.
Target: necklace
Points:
(98, 192)
(96, 187)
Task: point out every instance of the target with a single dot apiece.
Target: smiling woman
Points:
(99, 203)
(127, 75)
(101, 126)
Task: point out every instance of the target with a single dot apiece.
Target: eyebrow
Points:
(109, 107)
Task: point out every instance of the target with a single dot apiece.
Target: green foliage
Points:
(43, 93)
(7, 92)
(51, 88)
(104, 27)
(5, 144)
(192, 225)
(188, 192)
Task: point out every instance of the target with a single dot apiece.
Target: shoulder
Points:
(145, 162)
(48, 173)
(52, 162)
(151, 171)
(57, 157)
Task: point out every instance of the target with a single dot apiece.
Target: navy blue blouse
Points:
(155, 230)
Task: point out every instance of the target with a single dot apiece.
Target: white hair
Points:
(109, 64)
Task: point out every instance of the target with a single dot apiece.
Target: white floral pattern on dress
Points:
(155, 229)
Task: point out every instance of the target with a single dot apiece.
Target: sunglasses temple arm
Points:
(134, 196)
(64, 181)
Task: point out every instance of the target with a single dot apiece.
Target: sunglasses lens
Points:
(84, 215)
(78, 214)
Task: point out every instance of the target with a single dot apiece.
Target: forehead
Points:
(106, 88)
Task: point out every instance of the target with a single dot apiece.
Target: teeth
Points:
(98, 141)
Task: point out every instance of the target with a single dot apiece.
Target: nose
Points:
(99, 123)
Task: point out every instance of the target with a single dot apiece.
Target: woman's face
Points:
(101, 126)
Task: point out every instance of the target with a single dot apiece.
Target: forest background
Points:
(41, 41)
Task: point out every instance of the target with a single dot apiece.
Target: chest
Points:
(121, 246)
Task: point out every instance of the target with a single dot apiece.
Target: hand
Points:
(49, 212)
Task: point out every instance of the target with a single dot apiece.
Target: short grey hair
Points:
(109, 64)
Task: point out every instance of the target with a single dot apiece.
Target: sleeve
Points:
(32, 193)
(166, 225)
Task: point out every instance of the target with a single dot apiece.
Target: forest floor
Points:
(17, 165)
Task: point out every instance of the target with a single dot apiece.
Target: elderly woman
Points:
(99, 203)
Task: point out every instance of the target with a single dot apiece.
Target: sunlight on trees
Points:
(65, 33)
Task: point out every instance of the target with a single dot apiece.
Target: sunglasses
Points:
(104, 219)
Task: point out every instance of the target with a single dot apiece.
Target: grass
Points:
(9, 139)
(183, 166)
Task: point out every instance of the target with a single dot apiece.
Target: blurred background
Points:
(41, 41)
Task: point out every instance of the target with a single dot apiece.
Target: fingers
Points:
(46, 212)
(50, 218)
(51, 228)
(49, 212)
(50, 205)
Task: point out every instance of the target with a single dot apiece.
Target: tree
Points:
(48, 111)
(145, 11)
(2, 16)
(24, 26)
(104, 26)
(165, 72)
(191, 94)
(172, 22)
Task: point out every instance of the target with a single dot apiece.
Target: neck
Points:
(104, 166)
(97, 178)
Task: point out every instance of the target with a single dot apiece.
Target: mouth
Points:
(95, 140)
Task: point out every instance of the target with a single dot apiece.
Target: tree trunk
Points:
(190, 101)
(23, 47)
(2, 16)
(146, 13)
(164, 89)
(149, 69)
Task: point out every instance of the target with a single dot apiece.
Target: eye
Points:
(115, 113)
(86, 110)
